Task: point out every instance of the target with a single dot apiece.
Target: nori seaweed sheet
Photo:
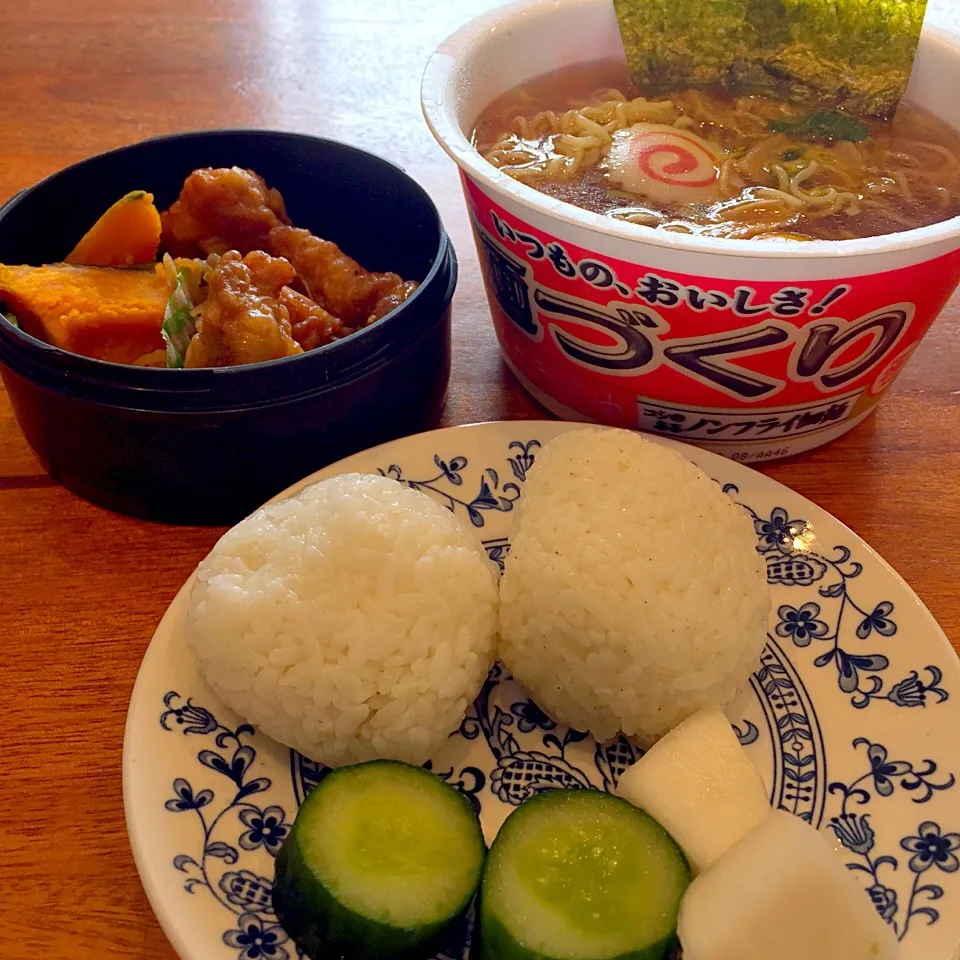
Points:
(853, 54)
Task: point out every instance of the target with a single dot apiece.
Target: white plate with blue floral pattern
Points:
(852, 717)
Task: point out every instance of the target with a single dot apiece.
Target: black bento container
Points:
(208, 446)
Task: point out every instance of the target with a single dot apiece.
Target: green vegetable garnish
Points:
(179, 324)
(825, 124)
(854, 53)
(382, 859)
(580, 873)
(9, 317)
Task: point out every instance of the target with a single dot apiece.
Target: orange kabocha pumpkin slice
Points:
(128, 233)
(100, 312)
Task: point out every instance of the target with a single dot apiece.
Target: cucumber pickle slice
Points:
(580, 875)
(382, 859)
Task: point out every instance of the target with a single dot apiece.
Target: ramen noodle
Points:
(705, 163)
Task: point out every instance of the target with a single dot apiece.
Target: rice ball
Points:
(353, 621)
(633, 593)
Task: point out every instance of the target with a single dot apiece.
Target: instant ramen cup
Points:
(756, 349)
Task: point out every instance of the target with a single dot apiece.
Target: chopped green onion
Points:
(824, 124)
(179, 324)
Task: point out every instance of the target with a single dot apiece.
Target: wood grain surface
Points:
(83, 589)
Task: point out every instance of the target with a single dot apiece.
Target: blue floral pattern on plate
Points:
(843, 637)
(257, 933)
(930, 846)
(490, 494)
(786, 545)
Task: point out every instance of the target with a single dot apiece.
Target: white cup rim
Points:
(439, 105)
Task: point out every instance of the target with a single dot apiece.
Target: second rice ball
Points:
(633, 594)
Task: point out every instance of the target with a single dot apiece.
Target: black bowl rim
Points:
(190, 380)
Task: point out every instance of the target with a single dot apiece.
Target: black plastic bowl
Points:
(207, 446)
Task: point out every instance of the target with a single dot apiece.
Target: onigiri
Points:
(353, 621)
(633, 594)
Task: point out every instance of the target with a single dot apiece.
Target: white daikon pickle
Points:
(701, 787)
(781, 893)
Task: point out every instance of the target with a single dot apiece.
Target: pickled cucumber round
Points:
(581, 875)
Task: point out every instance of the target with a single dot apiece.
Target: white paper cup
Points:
(754, 349)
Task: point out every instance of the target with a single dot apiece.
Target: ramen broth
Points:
(710, 164)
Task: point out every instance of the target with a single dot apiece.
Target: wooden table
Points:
(83, 589)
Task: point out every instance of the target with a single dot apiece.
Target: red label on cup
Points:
(726, 364)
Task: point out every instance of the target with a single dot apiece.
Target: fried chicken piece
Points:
(231, 209)
(390, 301)
(312, 326)
(334, 280)
(220, 210)
(243, 320)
